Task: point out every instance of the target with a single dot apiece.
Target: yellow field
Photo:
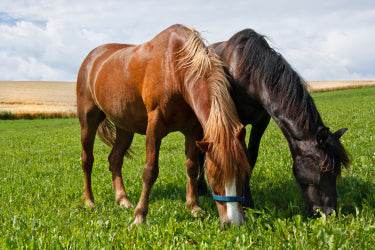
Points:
(35, 99)
(324, 86)
(58, 99)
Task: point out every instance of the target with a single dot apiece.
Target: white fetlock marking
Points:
(125, 203)
(88, 203)
(138, 220)
(233, 211)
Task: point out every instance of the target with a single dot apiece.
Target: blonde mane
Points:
(223, 123)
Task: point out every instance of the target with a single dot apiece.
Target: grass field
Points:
(42, 184)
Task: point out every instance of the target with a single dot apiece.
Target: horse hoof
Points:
(88, 203)
(138, 221)
(125, 203)
(198, 213)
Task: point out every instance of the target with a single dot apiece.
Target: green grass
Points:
(41, 186)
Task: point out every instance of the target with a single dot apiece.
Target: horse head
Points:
(226, 181)
(317, 164)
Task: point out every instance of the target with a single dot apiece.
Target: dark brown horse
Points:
(171, 83)
(264, 85)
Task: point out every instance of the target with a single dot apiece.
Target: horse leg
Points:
(154, 134)
(192, 168)
(256, 134)
(89, 121)
(202, 186)
(248, 199)
(116, 159)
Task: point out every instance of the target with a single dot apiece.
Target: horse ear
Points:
(322, 135)
(241, 134)
(204, 146)
(339, 133)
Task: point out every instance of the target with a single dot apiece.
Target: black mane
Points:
(261, 63)
(335, 156)
(258, 63)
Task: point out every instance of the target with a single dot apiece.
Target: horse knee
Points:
(87, 162)
(150, 174)
(192, 169)
(115, 162)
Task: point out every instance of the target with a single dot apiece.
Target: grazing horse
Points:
(171, 83)
(264, 85)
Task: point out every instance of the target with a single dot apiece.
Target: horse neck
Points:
(266, 77)
(296, 123)
(197, 96)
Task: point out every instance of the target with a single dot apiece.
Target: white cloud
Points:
(337, 45)
(323, 40)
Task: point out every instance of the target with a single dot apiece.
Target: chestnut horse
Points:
(171, 83)
(264, 85)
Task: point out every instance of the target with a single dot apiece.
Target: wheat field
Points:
(33, 99)
(325, 86)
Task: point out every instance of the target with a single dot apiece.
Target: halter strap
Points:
(223, 198)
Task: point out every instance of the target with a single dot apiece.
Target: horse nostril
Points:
(328, 211)
(316, 212)
(316, 209)
(319, 211)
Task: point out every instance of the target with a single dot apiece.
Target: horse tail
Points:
(107, 132)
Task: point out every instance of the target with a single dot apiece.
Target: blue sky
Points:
(322, 40)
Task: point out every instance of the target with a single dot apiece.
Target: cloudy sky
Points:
(321, 39)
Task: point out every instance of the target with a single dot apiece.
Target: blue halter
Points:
(223, 198)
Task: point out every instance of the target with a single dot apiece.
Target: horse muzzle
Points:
(230, 216)
(326, 210)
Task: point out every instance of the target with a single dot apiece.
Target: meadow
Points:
(42, 185)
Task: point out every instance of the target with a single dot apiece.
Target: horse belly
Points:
(130, 116)
(123, 105)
